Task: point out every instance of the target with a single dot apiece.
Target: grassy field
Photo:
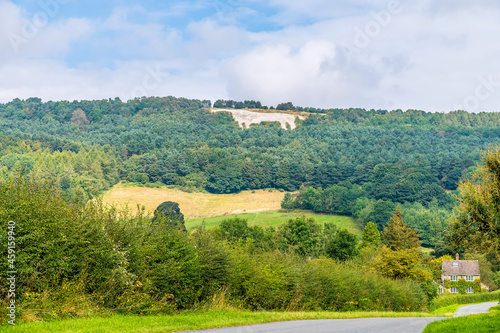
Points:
(194, 205)
(468, 324)
(193, 320)
(258, 207)
(275, 218)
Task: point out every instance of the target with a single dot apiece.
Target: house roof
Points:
(464, 267)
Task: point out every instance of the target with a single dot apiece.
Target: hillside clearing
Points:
(246, 117)
(194, 205)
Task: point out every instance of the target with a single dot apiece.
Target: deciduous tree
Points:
(476, 222)
(371, 235)
(170, 213)
(343, 246)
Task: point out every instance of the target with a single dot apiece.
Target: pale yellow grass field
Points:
(194, 205)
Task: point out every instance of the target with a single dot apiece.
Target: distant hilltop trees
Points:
(220, 103)
(288, 106)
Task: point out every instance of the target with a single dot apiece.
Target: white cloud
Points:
(417, 61)
(430, 55)
(38, 35)
(54, 81)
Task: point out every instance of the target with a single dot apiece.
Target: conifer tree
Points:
(398, 235)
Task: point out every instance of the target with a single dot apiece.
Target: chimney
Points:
(457, 257)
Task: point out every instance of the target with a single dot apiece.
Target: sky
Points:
(435, 56)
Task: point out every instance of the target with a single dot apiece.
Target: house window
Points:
(469, 278)
(454, 290)
(454, 277)
(455, 264)
(470, 290)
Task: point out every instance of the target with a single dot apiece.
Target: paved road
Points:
(364, 325)
(474, 309)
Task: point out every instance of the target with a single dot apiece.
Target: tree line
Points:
(175, 141)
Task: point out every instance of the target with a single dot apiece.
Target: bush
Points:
(287, 282)
(449, 299)
(339, 287)
(56, 241)
(79, 259)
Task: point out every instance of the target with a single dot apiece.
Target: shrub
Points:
(449, 299)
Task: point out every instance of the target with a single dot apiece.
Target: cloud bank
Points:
(434, 56)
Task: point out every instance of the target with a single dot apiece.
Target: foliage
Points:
(462, 285)
(168, 212)
(371, 235)
(220, 103)
(236, 230)
(381, 161)
(449, 299)
(287, 202)
(79, 118)
(396, 156)
(429, 223)
(496, 278)
(401, 264)
(485, 267)
(301, 234)
(61, 241)
(83, 174)
(475, 225)
(398, 236)
(274, 219)
(378, 212)
(81, 258)
(343, 246)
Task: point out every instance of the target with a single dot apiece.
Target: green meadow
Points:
(276, 218)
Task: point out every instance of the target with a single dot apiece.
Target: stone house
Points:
(461, 276)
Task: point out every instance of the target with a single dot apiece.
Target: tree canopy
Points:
(168, 212)
(475, 225)
(371, 235)
(397, 235)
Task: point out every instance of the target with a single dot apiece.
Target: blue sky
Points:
(431, 55)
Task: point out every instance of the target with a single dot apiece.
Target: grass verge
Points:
(468, 324)
(449, 311)
(452, 299)
(190, 320)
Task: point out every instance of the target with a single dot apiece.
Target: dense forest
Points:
(395, 172)
(362, 163)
